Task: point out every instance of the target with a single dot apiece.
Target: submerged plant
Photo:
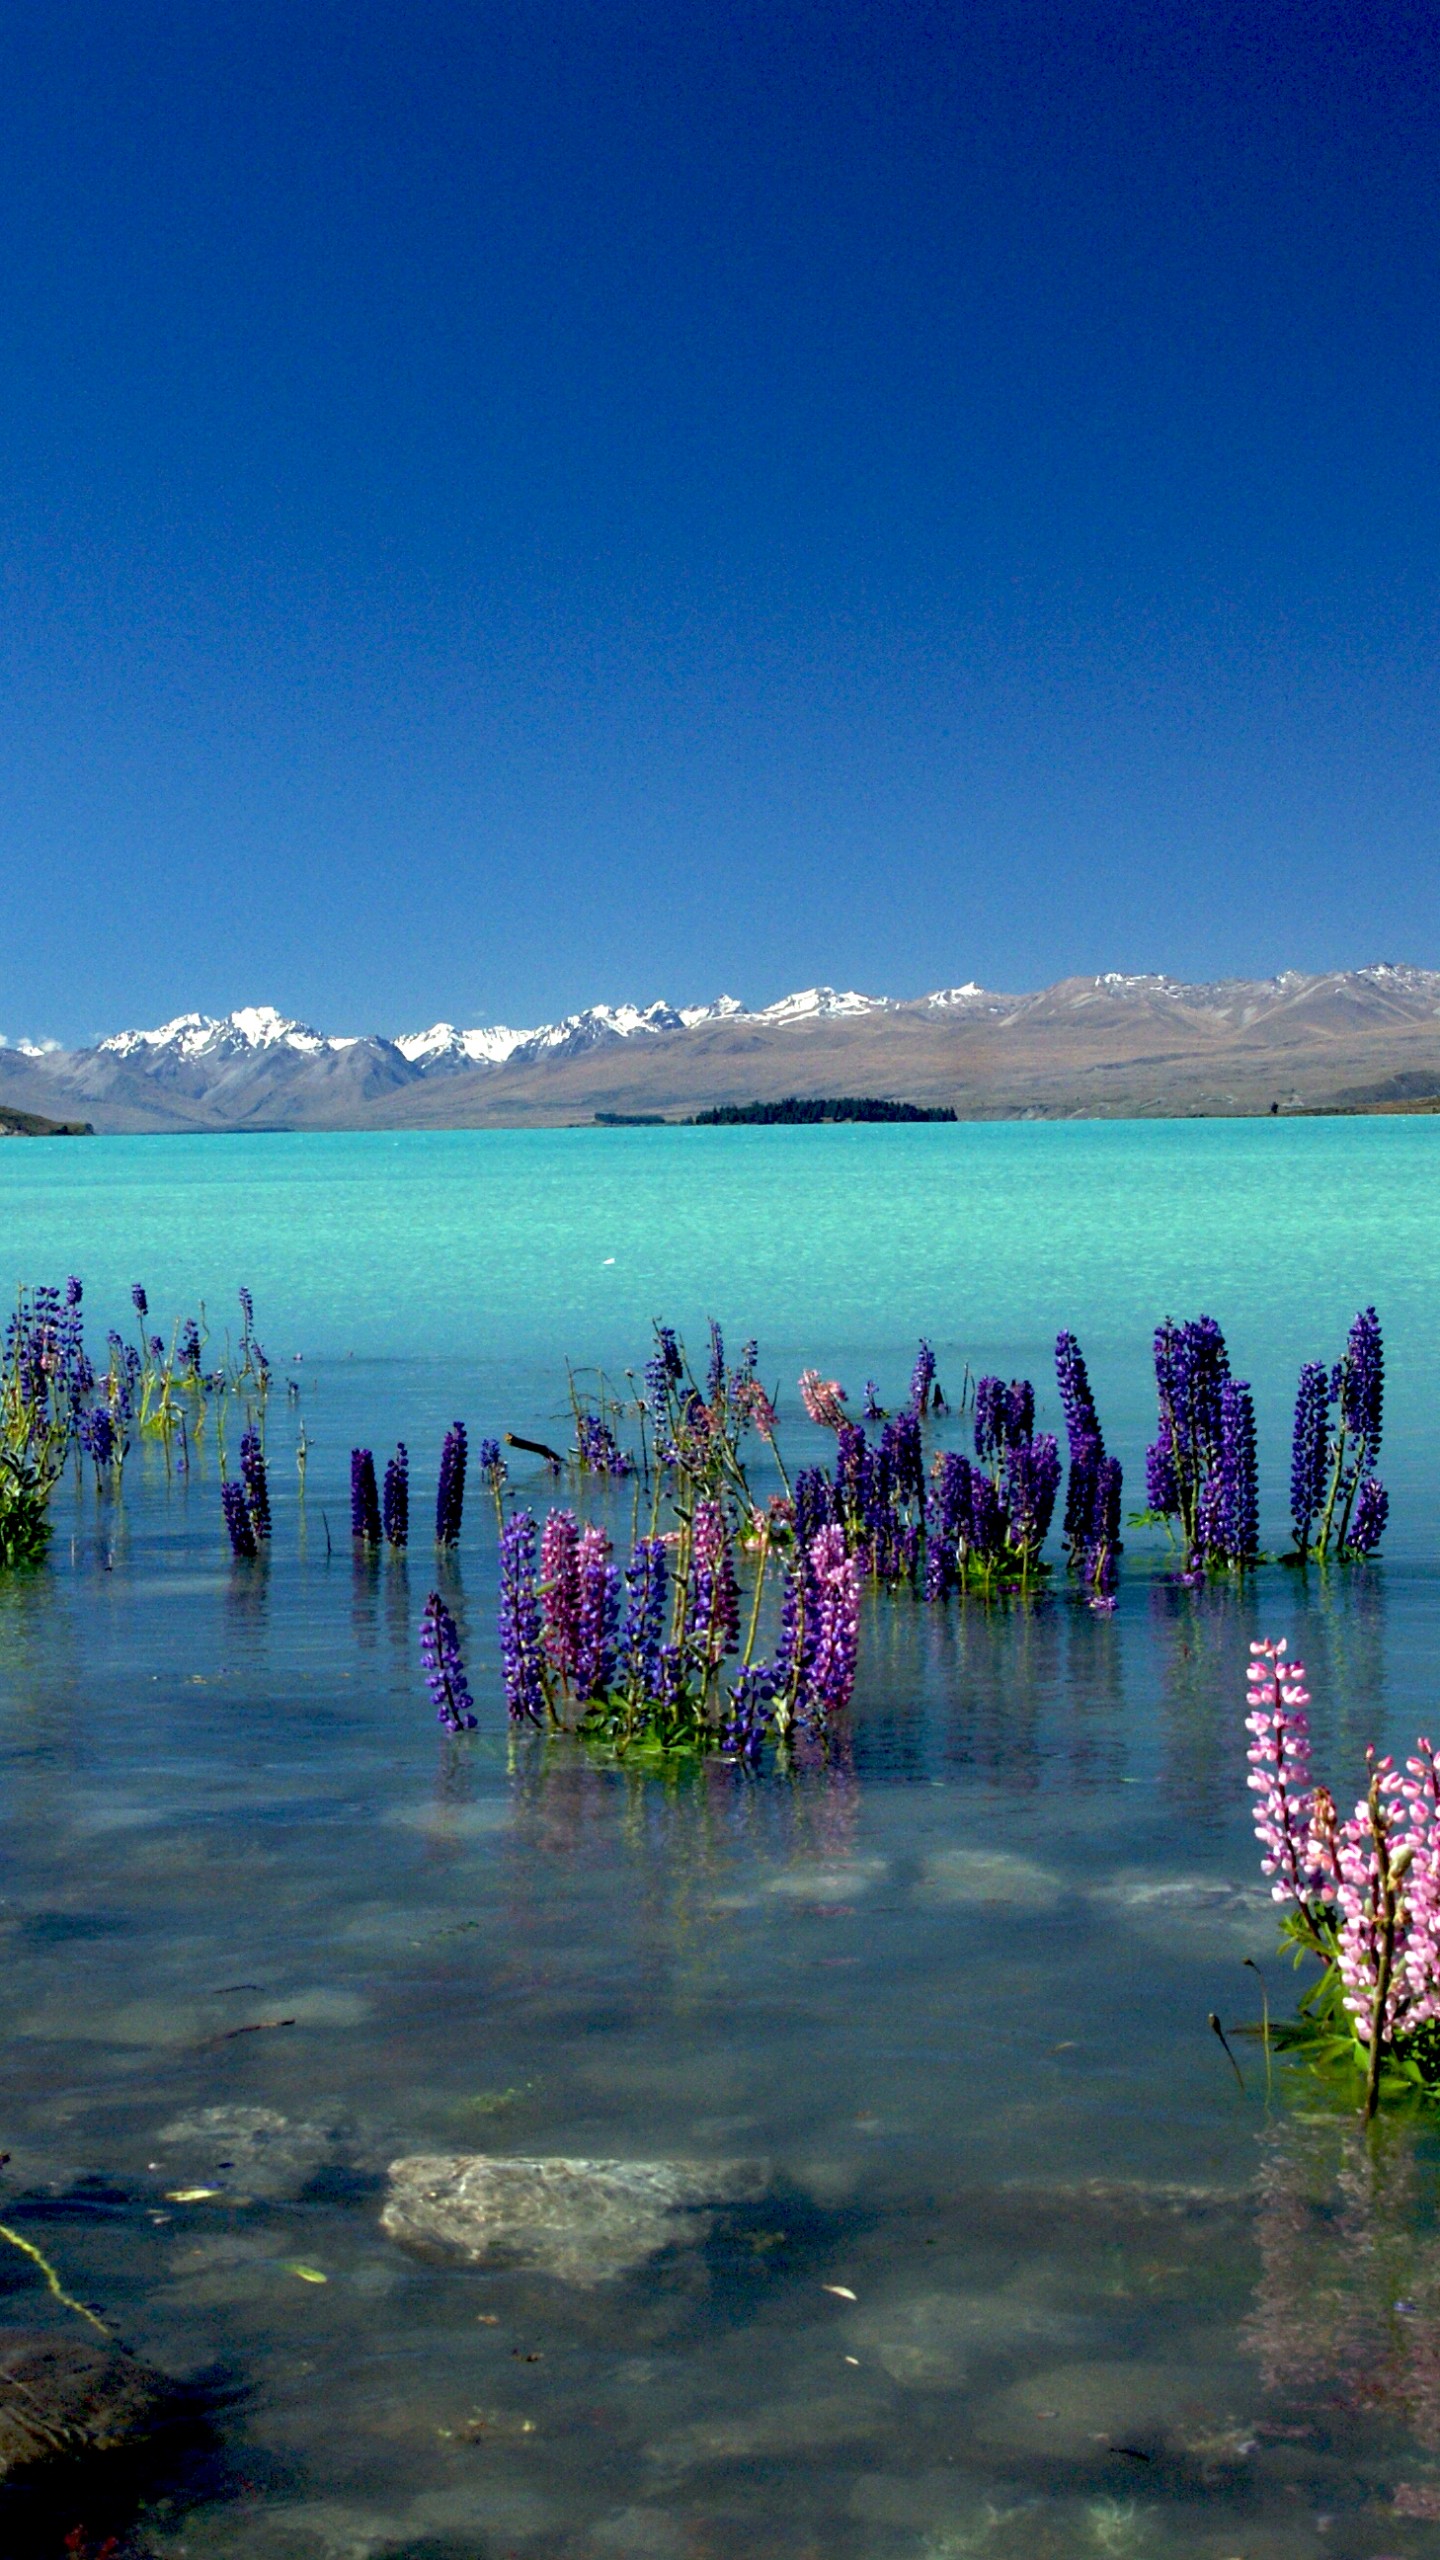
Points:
(1362, 1896)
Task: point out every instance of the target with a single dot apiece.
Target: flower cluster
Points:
(643, 1657)
(988, 1519)
(1200, 1470)
(1336, 1499)
(1363, 1895)
(824, 1399)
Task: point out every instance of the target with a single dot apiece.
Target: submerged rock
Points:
(63, 2399)
(933, 2341)
(582, 2220)
(248, 2151)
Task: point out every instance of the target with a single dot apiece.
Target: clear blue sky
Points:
(504, 506)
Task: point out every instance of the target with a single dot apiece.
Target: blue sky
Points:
(503, 507)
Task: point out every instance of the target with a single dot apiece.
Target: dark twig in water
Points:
(537, 1449)
(1216, 2029)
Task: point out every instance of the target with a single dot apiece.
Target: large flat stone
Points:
(63, 2399)
(583, 2220)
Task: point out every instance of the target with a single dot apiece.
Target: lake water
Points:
(991, 2254)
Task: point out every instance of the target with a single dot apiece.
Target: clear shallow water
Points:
(950, 1994)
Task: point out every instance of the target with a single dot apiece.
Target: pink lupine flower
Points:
(560, 1590)
(824, 1399)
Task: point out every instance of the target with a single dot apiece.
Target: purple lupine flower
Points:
(444, 1669)
(663, 1370)
(834, 1611)
(713, 1614)
(872, 1409)
(597, 1616)
(1367, 1520)
(1030, 1481)
(491, 1463)
(156, 1346)
(395, 1501)
(642, 1635)
(922, 1378)
(96, 1434)
(450, 1488)
(237, 1519)
(1228, 1513)
(715, 1372)
(522, 1653)
(560, 1591)
(992, 1407)
(189, 1349)
(247, 1316)
(1101, 1544)
(751, 1712)
(140, 1302)
(986, 1536)
(815, 1500)
(597, 1448)
(364, 1498)
(1361, 1387)
(256, 1483)
(74, 1291)
(1309, 1450)
(1085, 1439)
(901, 1442)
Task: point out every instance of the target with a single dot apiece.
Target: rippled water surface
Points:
(979, 2246)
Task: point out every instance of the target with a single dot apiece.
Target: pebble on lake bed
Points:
(63, 2399)
(585, 2221)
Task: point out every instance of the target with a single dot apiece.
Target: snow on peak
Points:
(205, 1035)
(817, 1004)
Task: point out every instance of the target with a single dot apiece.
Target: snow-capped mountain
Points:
(1121, 1041)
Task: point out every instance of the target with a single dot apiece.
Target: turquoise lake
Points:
(982, 2249)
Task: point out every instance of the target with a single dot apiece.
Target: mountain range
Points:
(1111, 1047)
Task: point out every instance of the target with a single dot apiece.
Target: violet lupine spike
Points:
(713, 1617)
(256, 1482)
(872, 1410)
(1030, 1482)
(243, 1541)
(1085, 1442)
(395, 1501)
(1309, 1450)
(450, 1488)
(522, 1658)
(715, 1372)
(364, 1498)
(140, 1301)
(1102, 1539)
(598, 1615)
(1228, 1512)
(815, 1501)
(560, 1591)
(647, 1583)
(1362, 1385)
(444, 1668)
(1368, 1519)
(922, 1378)
(991, 1413)
(835, 1611)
